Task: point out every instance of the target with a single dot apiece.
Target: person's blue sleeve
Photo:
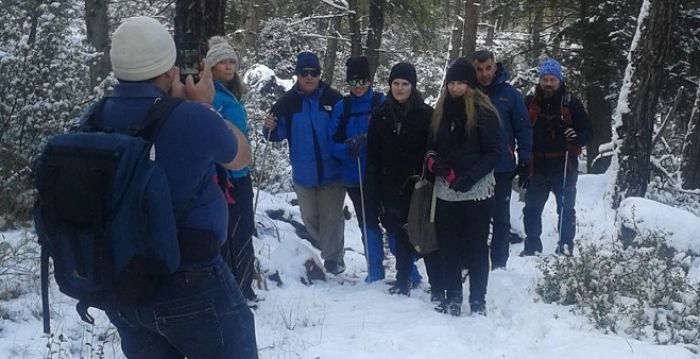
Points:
(212, 136)
(522, 129)
(339, 150)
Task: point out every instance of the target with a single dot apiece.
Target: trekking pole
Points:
(563, 191)
(364, 217)
(262, 167)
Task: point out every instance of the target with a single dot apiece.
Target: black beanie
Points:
(357, 68)
(405, 71)
(461, 70)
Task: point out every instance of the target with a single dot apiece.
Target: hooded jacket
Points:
(303, 120)
(514, 121)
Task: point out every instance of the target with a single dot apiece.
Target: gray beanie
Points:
(220, 50)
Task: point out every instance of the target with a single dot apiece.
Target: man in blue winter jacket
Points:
(198, 311)
(302, 117)
(515, 129)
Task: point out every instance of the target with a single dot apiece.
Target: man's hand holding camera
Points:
(201, 91)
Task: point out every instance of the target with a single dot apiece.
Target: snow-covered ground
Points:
(346, 318)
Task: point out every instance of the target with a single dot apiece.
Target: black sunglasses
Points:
(312, 73)
(357, 83)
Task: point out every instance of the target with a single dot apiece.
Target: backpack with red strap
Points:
(533, 110)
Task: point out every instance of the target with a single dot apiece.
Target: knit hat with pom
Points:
(220, 50)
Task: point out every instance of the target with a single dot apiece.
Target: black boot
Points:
(478, 307)
(437, 297)
(401, 289)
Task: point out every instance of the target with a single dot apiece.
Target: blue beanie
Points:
(307, 60)
(551, 67)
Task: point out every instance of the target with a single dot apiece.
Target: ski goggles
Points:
(309, 72)
(357, 83)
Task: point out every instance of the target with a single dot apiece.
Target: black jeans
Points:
(500, 242)
(462, 231)
(238, 251)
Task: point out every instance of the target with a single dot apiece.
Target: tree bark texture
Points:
(456, 35)
(596, 71)
(690, 160)
(644, 79)
(374, 34)
(355, 36)
(198, 20)
(331, 50)
(471, 24)
(97, 28)
(536, 44)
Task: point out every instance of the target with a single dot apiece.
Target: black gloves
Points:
(462, 184)
(524, 175)
(355, 145)
(437, 165)
(571, 136)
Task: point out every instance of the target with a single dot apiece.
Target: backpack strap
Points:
(565, 111)
(340, 133)
(533, 109)
(150, 126)
(94, 121)
(376, 101)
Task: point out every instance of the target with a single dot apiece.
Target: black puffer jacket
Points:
(472, 154)
(396, 143)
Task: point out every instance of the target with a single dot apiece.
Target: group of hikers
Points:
(366, 144)
(373, 147)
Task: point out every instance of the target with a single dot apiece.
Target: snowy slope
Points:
(346, 318)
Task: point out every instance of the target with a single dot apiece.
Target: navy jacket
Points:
(303, 121)
(515, 126)
(358, 122)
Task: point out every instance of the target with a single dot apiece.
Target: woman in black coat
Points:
(396, 143)
(463, 151)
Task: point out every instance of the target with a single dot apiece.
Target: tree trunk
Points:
(374, 34)
(556, 28)
(355, 36)
(536, 44)
(97, 28)
(471, 24)
(251, 27)
(690, 160)
(331, 50)
(198, 20)
(634, 116)
(596, 73)
(456, 35)
(491, 20)
(447, 12)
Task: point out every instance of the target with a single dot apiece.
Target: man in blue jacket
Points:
(348, 131)
(302, 117)
(198, 311)
(515, 129)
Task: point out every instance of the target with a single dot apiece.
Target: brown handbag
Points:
(421, 217)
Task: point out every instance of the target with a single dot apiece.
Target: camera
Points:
(189, 57)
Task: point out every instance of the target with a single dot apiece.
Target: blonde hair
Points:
(472, 98)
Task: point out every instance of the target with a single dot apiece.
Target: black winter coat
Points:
(396, 144)
(548, 128)
(472, 154)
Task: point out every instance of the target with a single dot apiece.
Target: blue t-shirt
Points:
(188, 143)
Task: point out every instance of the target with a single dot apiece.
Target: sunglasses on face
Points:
(311, 72)
(357, 83)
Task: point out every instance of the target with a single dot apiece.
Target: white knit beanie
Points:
(220, 50)
(141, 49)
